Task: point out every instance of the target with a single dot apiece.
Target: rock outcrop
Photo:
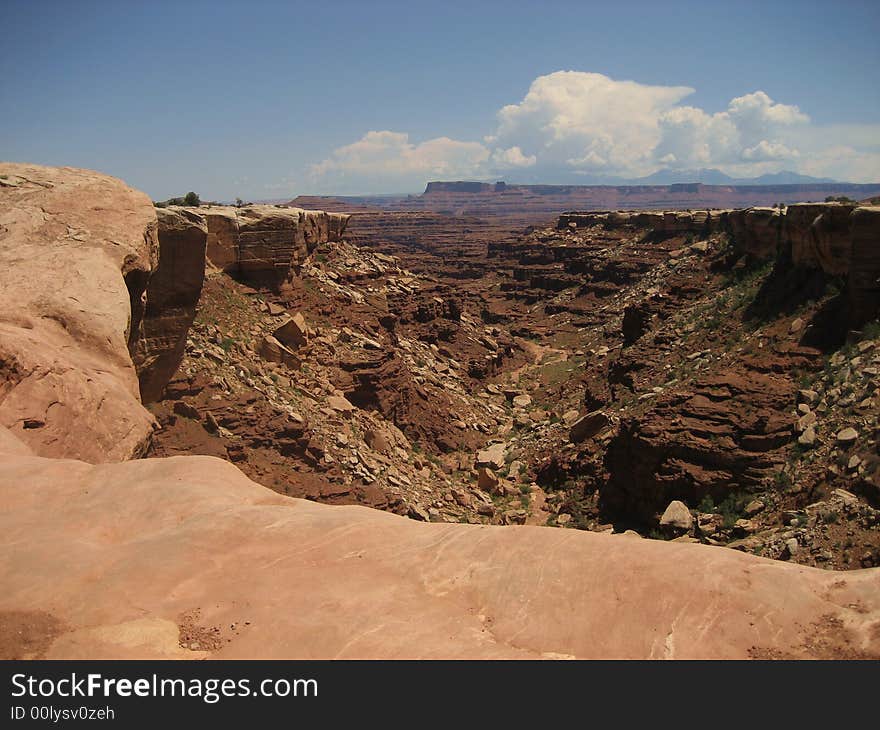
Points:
(76, 252)
(659, 223)
(716, 439)
(864, 270)
(756, 231)
(172, 295)
(262, 242)
(819, 234)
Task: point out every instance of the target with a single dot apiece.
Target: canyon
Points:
(452, 430)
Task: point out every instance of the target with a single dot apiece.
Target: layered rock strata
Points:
(172, 295)
(262, 242)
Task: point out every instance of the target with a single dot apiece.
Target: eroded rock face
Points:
(660, 223)
(719, 437)
(172, 295)
(267, 568)
(819, 234)
(262, 242)
(76, 252)
(864, 276)
(384, 384)
(756, 231)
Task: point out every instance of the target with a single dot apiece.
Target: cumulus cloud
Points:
(573, 123)
(390, 157)
(749, 132)
(587, 121)
(512, 157)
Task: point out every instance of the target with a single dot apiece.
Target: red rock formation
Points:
(819, 235)
(530, 204)
(172, 295)
(76, 252)
(262, 242)
(718, 437)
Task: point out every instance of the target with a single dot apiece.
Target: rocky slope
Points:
(679, 356)
(344, 376)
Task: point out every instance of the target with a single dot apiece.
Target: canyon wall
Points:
(172, 295)
(258, 243)
(261, 242)
(97, 292)
(840, 239)
(540, 204)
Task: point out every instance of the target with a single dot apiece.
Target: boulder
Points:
(810, 397)
(492, 456)
(678, 516)
(294, 333)
(487, 480)
(274, 351)
(808, 437)
(587, 426)
(378, 440)
(340, 404)
(847, 437)
(805, 421)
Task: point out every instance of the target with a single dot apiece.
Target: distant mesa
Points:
(524, 205)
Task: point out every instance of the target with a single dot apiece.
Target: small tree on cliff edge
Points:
(192, 199)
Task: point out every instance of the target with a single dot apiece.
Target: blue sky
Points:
(269, 100)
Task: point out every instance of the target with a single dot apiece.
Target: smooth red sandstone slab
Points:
(191, 541)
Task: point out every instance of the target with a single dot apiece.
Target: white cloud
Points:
(588, 121)
(573, 123)
(391, 158)
(843, 162)
(765, 151)
(512, 157)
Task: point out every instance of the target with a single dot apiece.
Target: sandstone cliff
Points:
(76, 252)
(97, 297)
(262, 242)
(835, 238)
(172, 295)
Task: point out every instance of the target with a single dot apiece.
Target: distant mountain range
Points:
(710, 176)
